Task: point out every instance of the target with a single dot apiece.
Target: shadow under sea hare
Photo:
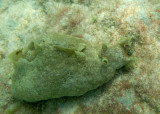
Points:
(55, 65)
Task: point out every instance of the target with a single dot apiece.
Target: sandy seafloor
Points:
(136, 92)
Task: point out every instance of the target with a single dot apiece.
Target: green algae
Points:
(54, 66)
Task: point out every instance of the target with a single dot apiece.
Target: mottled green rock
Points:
(57, 65)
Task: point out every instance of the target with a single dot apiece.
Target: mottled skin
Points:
(57, 65)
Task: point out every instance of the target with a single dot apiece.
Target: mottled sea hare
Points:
(58, 65)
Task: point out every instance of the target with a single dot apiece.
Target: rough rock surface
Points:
(21, 21)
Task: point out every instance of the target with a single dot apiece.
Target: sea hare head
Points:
(58, 65)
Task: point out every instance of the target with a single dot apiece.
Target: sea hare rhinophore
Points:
(58, 65)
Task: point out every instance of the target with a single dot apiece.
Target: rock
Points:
(54, 66)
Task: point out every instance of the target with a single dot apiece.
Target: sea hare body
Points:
(57, 65)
